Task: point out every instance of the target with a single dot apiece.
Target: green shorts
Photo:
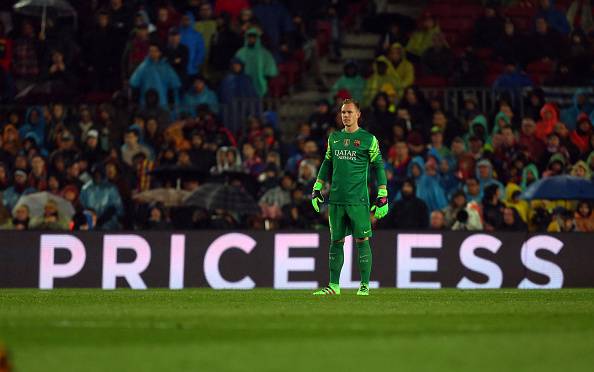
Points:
(349, 220)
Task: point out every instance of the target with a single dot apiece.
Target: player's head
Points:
(350, 112)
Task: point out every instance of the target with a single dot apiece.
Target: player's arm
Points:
(316, 195)
(380, 207)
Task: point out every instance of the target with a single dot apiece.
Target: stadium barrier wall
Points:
(291, 260)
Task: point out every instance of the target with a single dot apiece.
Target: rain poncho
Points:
(490, 180)
(105, 200)
(354, 84)
(159, 76)
(587, 173)
(38, 128)
(521, 206)
(421, 40)
(570, 114)
(193, 99)
(236, 85)
(258, 62)
(430, 191)
(530, 168)
(193, 40)
(387, 83)
(546, 126)
(11, 195)
(500, 117)
(479, 120)
(223, 163)
(405, 71)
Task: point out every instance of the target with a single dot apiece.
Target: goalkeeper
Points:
(349, 153)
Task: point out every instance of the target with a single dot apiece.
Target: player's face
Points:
(350, 115)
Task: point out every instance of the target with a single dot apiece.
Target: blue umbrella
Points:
(560, 188)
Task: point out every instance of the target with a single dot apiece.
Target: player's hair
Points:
(351, 101)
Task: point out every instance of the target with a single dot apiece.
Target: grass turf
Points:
(266, 330)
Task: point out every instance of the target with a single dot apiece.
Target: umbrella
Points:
(168, 196)
(37, 201)
(560, 188)
(40, 8)
(213, 196)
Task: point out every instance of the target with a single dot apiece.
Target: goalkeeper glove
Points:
(380, 207)
(316, 196)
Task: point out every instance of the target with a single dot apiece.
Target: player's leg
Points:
(336, 217)
(359, 218)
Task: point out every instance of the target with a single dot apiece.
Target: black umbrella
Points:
(177, 173)
(213, 196)
(41, 8)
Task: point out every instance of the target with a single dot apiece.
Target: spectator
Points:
(6, 47)
(409, 212)
(297, 213)
(511, 220)
(392, 36)
(549, 118)
(579, 16)
(236, 84)
(486, 177)
(259, 63)
(380, 120)
(132, 146)
(20, 187)
(321, 120)
(207, 27)
(383, 79)
(103, 197)
(155, 73)
(536, 100)
(121, 19)
(273, 200)
(27, 57)
(488, 29)
(554, 17)
(38, 176)
(275, 20)
(136, 50)
(563, 221)
(157, 219)
(468, 219)
(152, 109)
(223, 46)
(404, 71)
(351, 81)
(21, 219)
(437, 220)
(34, 123)
(513, 193)
(580, 137)
(422, 38)
(429, 188)
(228, 160)
(584, 218)
(544, 44)
(492, 208)
(581, 170)
(512, 78)
(472, 189)
(167, 18)
(200, 94)
(581, 105)
(50, 219)
(177, 53)
(457, 203)
(438, 59)
(528, 140)
(193, 40)
(231, 7)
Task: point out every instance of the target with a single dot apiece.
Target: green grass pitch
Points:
(265, 330)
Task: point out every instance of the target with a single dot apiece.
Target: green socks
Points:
(336, 259)
(364, 252)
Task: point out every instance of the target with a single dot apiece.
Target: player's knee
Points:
(361, 240)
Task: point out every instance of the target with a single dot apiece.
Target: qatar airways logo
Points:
(345, 154)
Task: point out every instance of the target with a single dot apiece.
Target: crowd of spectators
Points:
(167, 67)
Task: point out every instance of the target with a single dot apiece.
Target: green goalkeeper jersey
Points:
(350, 155)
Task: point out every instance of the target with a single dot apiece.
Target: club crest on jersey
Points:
(346, 142)
(357, 143)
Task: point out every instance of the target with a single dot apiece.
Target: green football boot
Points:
(331, 289)
(363, 290)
